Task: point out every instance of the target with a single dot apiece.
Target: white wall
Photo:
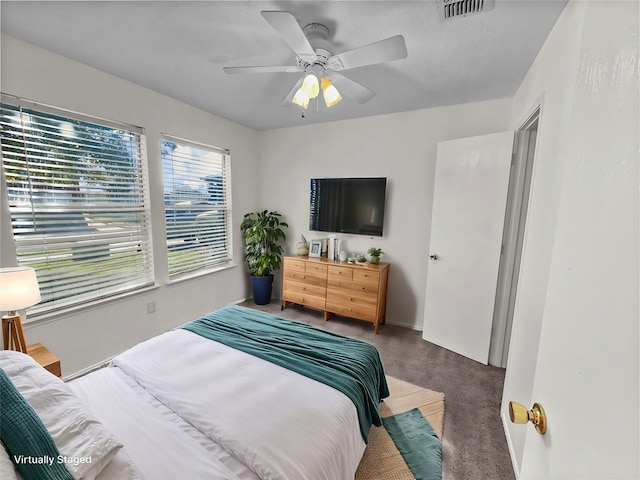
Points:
(92, 335)
(270, 170)
(574, 346)
(401, 147)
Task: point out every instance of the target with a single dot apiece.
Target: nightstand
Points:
(44, 357)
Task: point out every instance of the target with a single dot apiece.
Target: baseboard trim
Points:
(516, 467)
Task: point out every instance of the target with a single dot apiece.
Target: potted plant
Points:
(262, 232)
(375, 254)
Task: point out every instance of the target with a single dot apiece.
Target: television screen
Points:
(348, 205)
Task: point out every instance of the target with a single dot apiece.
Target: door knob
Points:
(518, 413)
(434, 256)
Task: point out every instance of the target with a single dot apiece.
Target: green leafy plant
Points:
(262, 233)
(375, 254)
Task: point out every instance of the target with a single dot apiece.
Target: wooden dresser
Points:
(349, 290)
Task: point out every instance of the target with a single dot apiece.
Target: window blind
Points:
(78, 197)
(197, 198)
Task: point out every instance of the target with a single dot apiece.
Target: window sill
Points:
(47, 317)
(200, 273)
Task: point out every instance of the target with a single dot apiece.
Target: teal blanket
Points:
(346, 364)
(418, 443)
(26, 438)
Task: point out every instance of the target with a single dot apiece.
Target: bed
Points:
(236, 394)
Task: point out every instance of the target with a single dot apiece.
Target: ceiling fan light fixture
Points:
(311, 86)
(330, 92)
(309, 89)
(301, 98)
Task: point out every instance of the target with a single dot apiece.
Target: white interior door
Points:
(471, 182)
(586, 365)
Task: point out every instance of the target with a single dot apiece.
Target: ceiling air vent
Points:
(448, 9)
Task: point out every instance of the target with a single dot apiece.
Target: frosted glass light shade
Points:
(18, 288)
(330, 92)
(311, 86)
(301, 98)
(308, 90)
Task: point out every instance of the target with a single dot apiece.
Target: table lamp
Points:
(18, 290)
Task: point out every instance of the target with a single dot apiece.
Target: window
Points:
(78, 198)
(197, 198)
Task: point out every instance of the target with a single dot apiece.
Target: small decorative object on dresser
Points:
(315, 250)
(302, 247)
(375, 254)
(355, 291)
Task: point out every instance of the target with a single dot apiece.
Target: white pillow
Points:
(84, 443)
(7, 468)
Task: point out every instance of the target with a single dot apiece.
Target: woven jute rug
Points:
(381, 459)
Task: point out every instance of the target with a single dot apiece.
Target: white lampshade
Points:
(308, 90)
(18, 288)
(330, 92)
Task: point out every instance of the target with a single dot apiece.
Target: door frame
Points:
(522, 161)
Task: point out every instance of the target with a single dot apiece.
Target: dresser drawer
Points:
(306, 288)
(351, 307)
(367, 289)
(368, 276)
(336, 271)
(304, 277)
(292, 263)
(316, 268)
(348, 298)
(302, 298)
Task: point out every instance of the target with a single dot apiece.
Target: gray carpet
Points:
(474, 445)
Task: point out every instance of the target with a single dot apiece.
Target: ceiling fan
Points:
(315, 57)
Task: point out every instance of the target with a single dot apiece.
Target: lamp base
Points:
(12, 333)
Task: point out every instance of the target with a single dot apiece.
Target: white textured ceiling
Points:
(180, 48)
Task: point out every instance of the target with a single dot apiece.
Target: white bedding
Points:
(281, 425)
(156, 445)
(183, 406)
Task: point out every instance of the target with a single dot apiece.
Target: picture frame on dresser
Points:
(315, 248)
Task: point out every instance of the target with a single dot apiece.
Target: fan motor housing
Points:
(318, 36)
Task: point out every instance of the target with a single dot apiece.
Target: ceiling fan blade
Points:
(287, 101)
(350, 88)
(273, 69)
(287, 26)
(392, 48)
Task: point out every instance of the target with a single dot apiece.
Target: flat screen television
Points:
(348, 205)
